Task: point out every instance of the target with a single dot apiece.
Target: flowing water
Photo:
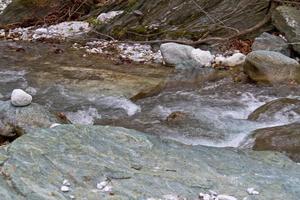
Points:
(93, 90)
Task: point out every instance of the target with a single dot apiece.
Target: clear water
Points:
(216, 111)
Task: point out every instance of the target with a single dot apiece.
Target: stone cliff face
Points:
(143, 20)
(180, 18)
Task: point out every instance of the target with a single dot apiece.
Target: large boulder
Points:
(144, 19)
(277, 110)
(271, 67)
(178, 55)
(132, 165)
(287, 20)
(15, 121)
(284, 139)
(269, 42)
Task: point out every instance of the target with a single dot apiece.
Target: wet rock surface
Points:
(285, 139)
(87, 155)
(271, 67)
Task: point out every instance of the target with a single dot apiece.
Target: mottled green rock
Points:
(86, 155)
(287, 20)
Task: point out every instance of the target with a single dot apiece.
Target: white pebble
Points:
(65, 188)
(101, 185)
(225, 197)
(54, 125)
(235, 59)
(66, 182)
(252, 191)
(20, 98)
(204, 196)
(105, 17)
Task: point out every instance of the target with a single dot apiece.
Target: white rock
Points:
(204, 58)
(2, 33)
(20, 98)
(65, 188)
(170, 197)
(101, 185)
(66, 182)
(225, 197)
(220, 60)
(105, 17)
(54, 125)
(252, 191)
(235, 59)
(204, 196)
(72, 197)
(41, 31)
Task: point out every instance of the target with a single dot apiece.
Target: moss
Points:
(94, 21)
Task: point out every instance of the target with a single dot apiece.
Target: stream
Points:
(91, 89)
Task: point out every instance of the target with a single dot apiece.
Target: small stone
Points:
(252, 191)
(225, 197)
(54, 125)
(101, 185)
(72, 197)
(138, 13)
(20, 98)
(65, 188)
(204, 196)
(66, 182)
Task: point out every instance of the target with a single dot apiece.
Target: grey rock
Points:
(287, 20)
(270, 42)
(87, 155)
(178, 55)
(277, 110)
(284, 139)
(14, 121)
(271, 67)
(20, 98)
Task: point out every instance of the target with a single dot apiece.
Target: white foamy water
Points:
(215, 119)
(115, 102)
(83, 117)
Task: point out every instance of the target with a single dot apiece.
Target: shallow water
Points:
(92, 90)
